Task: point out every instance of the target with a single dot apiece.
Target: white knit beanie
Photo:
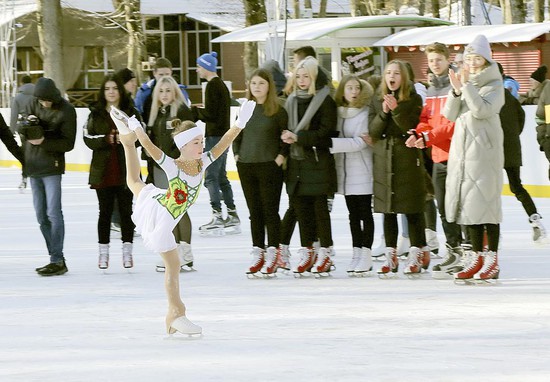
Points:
(480, 46)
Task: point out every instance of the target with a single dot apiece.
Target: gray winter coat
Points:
(21, 100)
(476, 156)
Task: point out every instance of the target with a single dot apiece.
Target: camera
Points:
(29, 127)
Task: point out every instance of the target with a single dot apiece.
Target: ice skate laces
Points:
(413, 258)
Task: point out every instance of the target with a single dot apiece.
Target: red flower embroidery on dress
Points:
(180, 196)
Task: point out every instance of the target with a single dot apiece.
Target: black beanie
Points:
(540, 74)
(124, 75)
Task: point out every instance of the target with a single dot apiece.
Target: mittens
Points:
(245, 112)
(133, 123)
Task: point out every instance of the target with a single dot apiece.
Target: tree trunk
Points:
(296, 8)
(50, 27)
(132, 23)
(255, 14)
(506, 15)
(435, 9)
(323, 8)
(539, 11)
(467, 9)
(354, 8)
(422, 8)
(518, 11)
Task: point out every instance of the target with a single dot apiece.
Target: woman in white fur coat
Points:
(476, 157)
(354, 171)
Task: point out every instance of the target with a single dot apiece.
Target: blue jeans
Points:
(215, 179)
(46, 196)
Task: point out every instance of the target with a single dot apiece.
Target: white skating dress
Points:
(158, 211)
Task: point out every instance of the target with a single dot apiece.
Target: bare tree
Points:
(296, 8)
(359, 7)
(518, 11)
(50, 26)
(435, 9)
(506, 15)
(467, 9)
(539, 11)
(255, 14)
(323, 8)
(129, 12)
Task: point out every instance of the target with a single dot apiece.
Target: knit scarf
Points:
(297, 151)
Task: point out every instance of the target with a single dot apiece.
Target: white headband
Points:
(187, 136)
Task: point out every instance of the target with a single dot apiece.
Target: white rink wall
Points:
(534, 172)
(80, 157)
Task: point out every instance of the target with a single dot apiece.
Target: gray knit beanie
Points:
(480, 46)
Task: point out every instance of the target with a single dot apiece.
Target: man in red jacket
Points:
(435, 131)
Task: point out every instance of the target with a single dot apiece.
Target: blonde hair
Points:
(180, 126)
(311, 66)
(404, 92)
(174, 105)
(366, 94)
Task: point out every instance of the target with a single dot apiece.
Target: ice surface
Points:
(90, 325)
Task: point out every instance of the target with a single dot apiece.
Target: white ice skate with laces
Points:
(125, 125)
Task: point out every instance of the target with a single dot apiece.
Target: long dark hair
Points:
(125, 104)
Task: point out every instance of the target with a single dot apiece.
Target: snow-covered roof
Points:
(227, 15)
(461, 35)
(312, 29)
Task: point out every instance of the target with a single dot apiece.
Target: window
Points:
(94, 68)
(198, 39)
(163, 39)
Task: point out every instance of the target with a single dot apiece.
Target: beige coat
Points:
(476, 157)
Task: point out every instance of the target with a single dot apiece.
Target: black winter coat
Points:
(316, 173)
(399, 174)
(161, 134)
(512, 120)
(59, 126)
(97, 128)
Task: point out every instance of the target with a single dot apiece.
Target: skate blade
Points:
(305, 275)
(541, 241)
(368, 273)
(477, 282)
(233, 230)
(187, 269)
(413, 276)
(387, 276)
(212, 232)
(442, 275)
(435, 255)
(322, 275)
(254, 276)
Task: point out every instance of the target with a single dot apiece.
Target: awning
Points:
(463, 35)
(312, 29)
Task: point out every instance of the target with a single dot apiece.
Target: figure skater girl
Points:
(157, 211)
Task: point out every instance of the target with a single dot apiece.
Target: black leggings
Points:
(475, 232)
(416, 226)
(361, 222)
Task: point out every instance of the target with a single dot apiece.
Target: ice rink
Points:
(92, 325)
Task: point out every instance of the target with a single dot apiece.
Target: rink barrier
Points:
(534, 172)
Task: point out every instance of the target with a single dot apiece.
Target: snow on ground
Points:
(90, 325)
